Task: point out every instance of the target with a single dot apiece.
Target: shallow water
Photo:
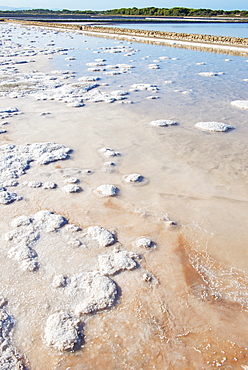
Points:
(219, 29)
(194, 312)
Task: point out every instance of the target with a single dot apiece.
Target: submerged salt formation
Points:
(213, 126)
(242, 104)
(163, 123)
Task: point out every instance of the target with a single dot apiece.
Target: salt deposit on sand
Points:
(119, 260)
(210, 74)
(107, 152)
(213, 126)
(63, 332)
(107, 190)
(144, 242)
(71, 188)
(134, 178)
(163, 123)
(9, 357)
(242, 104)
(15, 161)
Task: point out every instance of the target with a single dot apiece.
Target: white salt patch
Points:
(107, 152)
(144, 242)
(103, 237)
(152, 97)
(27, 232)
(15, 160)
(134, 177)
(63, 331)
(242, 104)
(71, 188)
(6, 197)
(49, 185)
(33, 184)
(76, 104)
(213, 126)
(9, 358)
(111, 73)
(154, 66)
(148, 87)
(72, 180)
(89, 78)
(163, 123)
(119, 260)
(107, 190)
(211, 74)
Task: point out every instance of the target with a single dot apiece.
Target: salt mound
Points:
(6, 197)
(108, 190)
(119, 260)
(89, 292)
(63, 332)
(213, 126)
(134, 177)
(101, 235)
(163, 123)
(144, 242)
(71, 188)
(9, 358)
(242, 104)
(109, 152)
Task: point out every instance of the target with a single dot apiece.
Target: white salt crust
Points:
(144, 242)
(101, 235)
(163, 123)
(28, 230)
(119, 260)
(15, 161)
(72, 188)
(107, 190)
(134, 177)
(63, 331)
(107, 152)
(211, 74)
(242, 104)
(9, 357)
(213, 126)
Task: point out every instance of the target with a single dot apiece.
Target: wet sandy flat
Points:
(177, 303)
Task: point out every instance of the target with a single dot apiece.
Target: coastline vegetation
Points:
(147, 12)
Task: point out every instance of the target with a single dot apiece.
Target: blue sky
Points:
(110, 4)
